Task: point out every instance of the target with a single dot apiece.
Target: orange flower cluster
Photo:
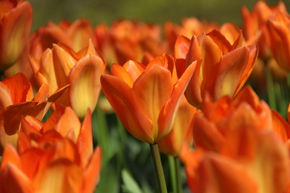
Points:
(184, 92)
(241, 146)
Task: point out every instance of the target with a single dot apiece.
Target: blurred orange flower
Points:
(146, 98)
(127, 40)
(243, 148)
(188, 28)
(279, 30)
(75, 35)
(211, 131)
(255, 29)
(50, 162)
(16, 18)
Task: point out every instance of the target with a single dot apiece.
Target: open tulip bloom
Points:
(213, 99)
(145, 97)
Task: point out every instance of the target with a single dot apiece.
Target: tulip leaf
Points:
(109, 180)
(130, 185)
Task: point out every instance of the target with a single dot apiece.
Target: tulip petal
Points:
(10, 156)
(80, 32)
(13, 113)
(59, 177)
(152, 92)
(33, 160)
(5, 97)
(218, 174)
(123, 100)
(232, 33)
(181, 47)
(120, 72)
(42, 93)
(14, 28)
(68, 123)
(235, 68)
(92, 172)
(168, 111)
(212, 55)
(63, 63)
(194, 52)
(85, 84)
(47, 70)
(171, 144)
(221, 41)
(13, 180)
(59, 94)
(85, 139)
(271, 162)
(134, 69)
(19, 87)
(206, 135)
(280, 40)
(280, 126)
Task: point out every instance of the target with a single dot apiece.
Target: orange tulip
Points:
(278, 28)
(51, 163)
(61, 65)
(243, 148)
(223, 66)
(79, 33)
(146, 99)
(188, 28)
(126, 40)
(254, 28)
(210, 131)
(15, 26)
(181, 133)
(17, 100)
(75, 35)
(224, 174)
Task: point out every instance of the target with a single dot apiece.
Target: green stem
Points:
(158, 167)
(270, 89)
(178, 177)
(173, 173)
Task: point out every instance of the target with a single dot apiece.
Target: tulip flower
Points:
(145, 98)
(278, 28)
(223, 66)
(79, 33)
(241, 136)
(255, 30)
(188, 28)
(126, 40)
(60, 66)
(17, 100)
(212, 136)
(181, 133)
(75, 35)
(52, 163)
(15, 26)
(219, 173)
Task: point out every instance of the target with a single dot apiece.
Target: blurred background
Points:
(154, 11)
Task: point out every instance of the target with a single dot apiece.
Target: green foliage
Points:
(130, 185)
